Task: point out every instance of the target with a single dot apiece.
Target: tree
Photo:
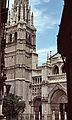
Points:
(12, 105)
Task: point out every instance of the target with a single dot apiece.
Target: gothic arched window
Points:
(55, 70)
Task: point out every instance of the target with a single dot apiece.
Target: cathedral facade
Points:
(43, 88)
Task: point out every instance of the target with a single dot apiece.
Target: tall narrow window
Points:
(10, 37)
(15, 36)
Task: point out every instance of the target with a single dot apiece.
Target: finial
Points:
(50, 53)
(8, 20)
(48, 58)
(32, 18)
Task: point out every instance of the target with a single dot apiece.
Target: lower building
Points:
(49, 87)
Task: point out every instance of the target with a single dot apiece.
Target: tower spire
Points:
(21, 1)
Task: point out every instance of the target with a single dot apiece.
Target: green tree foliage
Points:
(12, 105)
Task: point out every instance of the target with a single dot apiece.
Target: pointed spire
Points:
(50, 56)
(29, 14)
(47, 56)
(11, 17)
(21, 12)
(8, 20)
(32, 19)
(17, 13)
(25, 12)
(48, 59)
(12, 14)
(50, 53)
(14, 17)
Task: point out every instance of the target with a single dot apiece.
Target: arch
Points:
(55, 88)
(55, 70)
(58, 97)
(37, 107)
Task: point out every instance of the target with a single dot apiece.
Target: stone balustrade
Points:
(45, 116)
(57, 77)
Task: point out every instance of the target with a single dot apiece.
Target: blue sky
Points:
(47, 16)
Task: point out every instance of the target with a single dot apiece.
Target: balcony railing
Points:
(57, 77)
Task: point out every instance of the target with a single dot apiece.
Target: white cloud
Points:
(42, 19)
(42, 54)
(37, 2)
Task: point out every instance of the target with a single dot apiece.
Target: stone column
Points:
(53, 115)
(1, 104)
(45, 115)
(1, 109)
(34, 115)
(39, 115)
(17, 13)
(65, 116)
(59, 115)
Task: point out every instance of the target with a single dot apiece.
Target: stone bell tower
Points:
(20, 43)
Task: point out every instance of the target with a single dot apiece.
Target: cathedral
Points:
(43, 88)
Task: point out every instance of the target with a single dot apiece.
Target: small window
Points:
(10, 37)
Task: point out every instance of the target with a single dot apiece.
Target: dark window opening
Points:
(29, 38)
(56, 70)
(15, 36)
(10, 37)
(35, 89)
